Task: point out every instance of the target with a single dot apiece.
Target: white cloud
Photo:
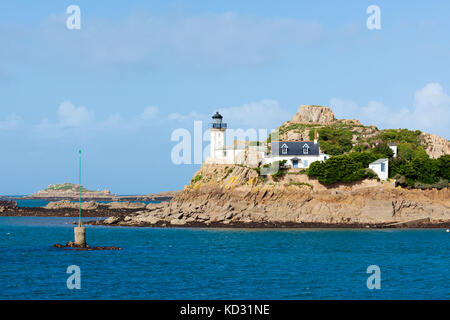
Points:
(71, 116)
(11, 122)
(149, 113)
(430, 111)
(226, 39)
(80, 119)
(263, 114)
(191, 116)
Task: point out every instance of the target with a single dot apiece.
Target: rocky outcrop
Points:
(239, 198)
(313, 114)
(72, 245)
(66, 204)
(125, 205)
(435, 146)
(92, 205)
(7, 205)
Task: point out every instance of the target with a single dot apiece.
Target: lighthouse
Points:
(217, 132)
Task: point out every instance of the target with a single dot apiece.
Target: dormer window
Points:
(284, 149)
(305, 149)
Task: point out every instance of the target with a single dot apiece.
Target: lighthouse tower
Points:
(217, 131)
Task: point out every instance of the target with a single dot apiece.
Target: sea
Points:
(193, 263)
(33, 203)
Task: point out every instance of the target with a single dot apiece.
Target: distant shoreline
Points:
(163, 196)
(105, 213)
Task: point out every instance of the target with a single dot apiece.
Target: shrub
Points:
(401, 135)
(365, 157)
(281, 170)
(383, 149)
(197, 178)
(294, 183)
(421, 170)
(444, 166)
(341, 168)
(335, 140)
(442, 183)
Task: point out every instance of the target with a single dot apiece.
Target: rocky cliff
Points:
(435, 146)
(313, 114)
(238, 196)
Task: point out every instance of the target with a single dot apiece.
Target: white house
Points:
(381, 168)
(298, 154)
(393, 148)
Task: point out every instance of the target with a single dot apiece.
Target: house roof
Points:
(295, 148)
(379, 161)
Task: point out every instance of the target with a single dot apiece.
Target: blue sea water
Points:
(176, 263)
(33, 203)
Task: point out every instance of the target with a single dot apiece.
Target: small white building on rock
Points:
(381, 168)
(393, 147)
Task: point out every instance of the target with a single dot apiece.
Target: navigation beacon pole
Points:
(80, 231)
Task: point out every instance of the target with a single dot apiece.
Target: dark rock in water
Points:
(8, 204)
(72, 245)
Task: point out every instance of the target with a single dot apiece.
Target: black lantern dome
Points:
(217, 121)
(217, 115)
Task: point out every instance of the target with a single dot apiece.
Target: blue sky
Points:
(138, 70)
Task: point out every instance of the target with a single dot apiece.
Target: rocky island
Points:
(221, 195)
(339, 191)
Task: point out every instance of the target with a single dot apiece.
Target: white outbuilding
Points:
(381, 168)
(393, 147)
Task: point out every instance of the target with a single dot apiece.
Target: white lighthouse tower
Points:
(217, 131)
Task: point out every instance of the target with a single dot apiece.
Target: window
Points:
(383, 167)
(305, 163)
(224, 153)
(324, 157)
(305, 149)
(284, 149)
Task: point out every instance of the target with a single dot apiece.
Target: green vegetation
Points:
(335, 140)
(384, 150)
(301, 171)
(228, 173)
(299, 127)
(353, 146)
(66, 186)
(196, 178)
(294, 183)
(342, 168)
(279, 164)
(421, 172)
(400, 135)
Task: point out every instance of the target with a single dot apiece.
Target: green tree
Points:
(444, 166)
(335, 140)
(383, 148)
(342, 168)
